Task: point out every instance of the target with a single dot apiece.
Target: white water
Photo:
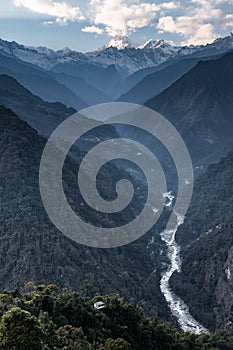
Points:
(178, 308)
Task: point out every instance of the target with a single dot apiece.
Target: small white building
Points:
(99, 305)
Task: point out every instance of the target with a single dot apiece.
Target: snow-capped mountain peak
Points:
(126, 56)
(119, 42)
(153, 44)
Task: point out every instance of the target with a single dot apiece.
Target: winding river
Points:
(178, 308)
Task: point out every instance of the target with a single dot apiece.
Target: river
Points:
(177, 306)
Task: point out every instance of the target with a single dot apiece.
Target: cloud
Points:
(115, 16)
(121, 17)
(60, 10)
(93, 29)
(196, 33)
(61, 21)
(196, 26)
(194, 21)
(229, 21)
(170, 5)
(204, 34)
(48, 23)
(227, 2)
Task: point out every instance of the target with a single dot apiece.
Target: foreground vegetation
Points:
(45, 318)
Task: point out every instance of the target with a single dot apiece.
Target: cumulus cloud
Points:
(115, 16)
(120, 17)
(196, 33)
(196, 26)
(170, 5)
(60, 10)
(93, 29)
(195, 21)
(204, 34)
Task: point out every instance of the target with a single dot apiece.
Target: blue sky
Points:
(85, 25)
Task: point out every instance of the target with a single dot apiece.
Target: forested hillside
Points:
(206, 280)
(32, 249)
(44, 318)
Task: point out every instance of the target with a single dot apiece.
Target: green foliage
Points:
(48, 329)
(19, 330)
(55, 320)
(72, 338)
(118, 344)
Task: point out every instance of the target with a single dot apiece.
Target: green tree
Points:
(50, 338)
(117, 344)
(19, 330)
(72, 338)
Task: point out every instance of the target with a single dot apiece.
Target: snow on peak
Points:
(119, 42)
(120, 51)
(153, 44)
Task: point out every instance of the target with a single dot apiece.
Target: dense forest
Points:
(206, 237)
(46, 318)
(32, 249)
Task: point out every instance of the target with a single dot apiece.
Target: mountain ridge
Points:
(148, 56)
(42, 116)
(153, 84)
(199, 105)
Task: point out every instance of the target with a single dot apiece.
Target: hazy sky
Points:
(87, 24)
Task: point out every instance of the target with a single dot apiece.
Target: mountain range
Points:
(190, 86)
(120, 52)
(80, 79)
